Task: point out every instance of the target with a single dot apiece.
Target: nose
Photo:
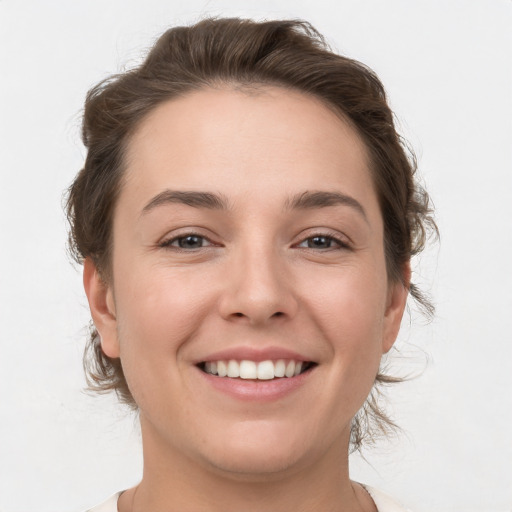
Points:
(258, 289)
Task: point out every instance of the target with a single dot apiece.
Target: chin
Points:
(257, 456)
(253, 465)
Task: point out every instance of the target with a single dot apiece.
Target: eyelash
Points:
(167, 244)
(329, 238)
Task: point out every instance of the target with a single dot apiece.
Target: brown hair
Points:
(240, 52)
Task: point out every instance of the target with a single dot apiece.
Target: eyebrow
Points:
(321, 199)
(189, 198)
(302, 201)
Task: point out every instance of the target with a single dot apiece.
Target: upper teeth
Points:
(263, 370)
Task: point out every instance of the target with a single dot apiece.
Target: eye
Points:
(188, 241)
(322, 242)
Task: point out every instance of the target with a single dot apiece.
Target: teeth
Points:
(222, 369)
(279, 368)
(233, 369)
(266, 370)
(263, 370)
(290, 369)
(248, 370)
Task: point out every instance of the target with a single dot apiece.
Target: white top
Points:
(383, 502)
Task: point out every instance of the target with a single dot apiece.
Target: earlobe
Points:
(102, 306)
(397, 299)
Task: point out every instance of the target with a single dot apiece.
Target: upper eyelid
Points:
(184, 231)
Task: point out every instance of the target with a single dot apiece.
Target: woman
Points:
(246, 217)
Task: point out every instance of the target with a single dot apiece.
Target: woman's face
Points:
(247, 229)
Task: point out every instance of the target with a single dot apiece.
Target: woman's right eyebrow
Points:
(192, 198)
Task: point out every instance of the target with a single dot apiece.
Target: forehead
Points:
(270, 140)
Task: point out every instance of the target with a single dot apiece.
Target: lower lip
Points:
(257, 390)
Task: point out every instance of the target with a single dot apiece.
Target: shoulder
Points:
(107, 506)
(383, 502)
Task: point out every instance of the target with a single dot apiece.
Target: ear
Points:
(102, 306)
(397, 298)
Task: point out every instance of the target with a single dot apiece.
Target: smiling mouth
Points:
(252, 370)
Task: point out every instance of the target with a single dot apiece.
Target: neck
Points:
(173, 481)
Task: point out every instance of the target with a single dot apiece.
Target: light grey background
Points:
(447, 66)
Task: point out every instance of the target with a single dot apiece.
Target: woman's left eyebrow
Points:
(323, 199)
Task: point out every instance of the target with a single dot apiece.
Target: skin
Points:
(258, 277)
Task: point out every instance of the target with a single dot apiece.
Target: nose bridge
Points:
(258, 289)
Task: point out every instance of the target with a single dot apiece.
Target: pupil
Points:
(190, 242)
(320, 242)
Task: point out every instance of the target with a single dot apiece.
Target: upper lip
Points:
(254, 354)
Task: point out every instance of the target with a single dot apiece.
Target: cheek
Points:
(352, 302)
(349, 310)
(159, 312)
(160, 307)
